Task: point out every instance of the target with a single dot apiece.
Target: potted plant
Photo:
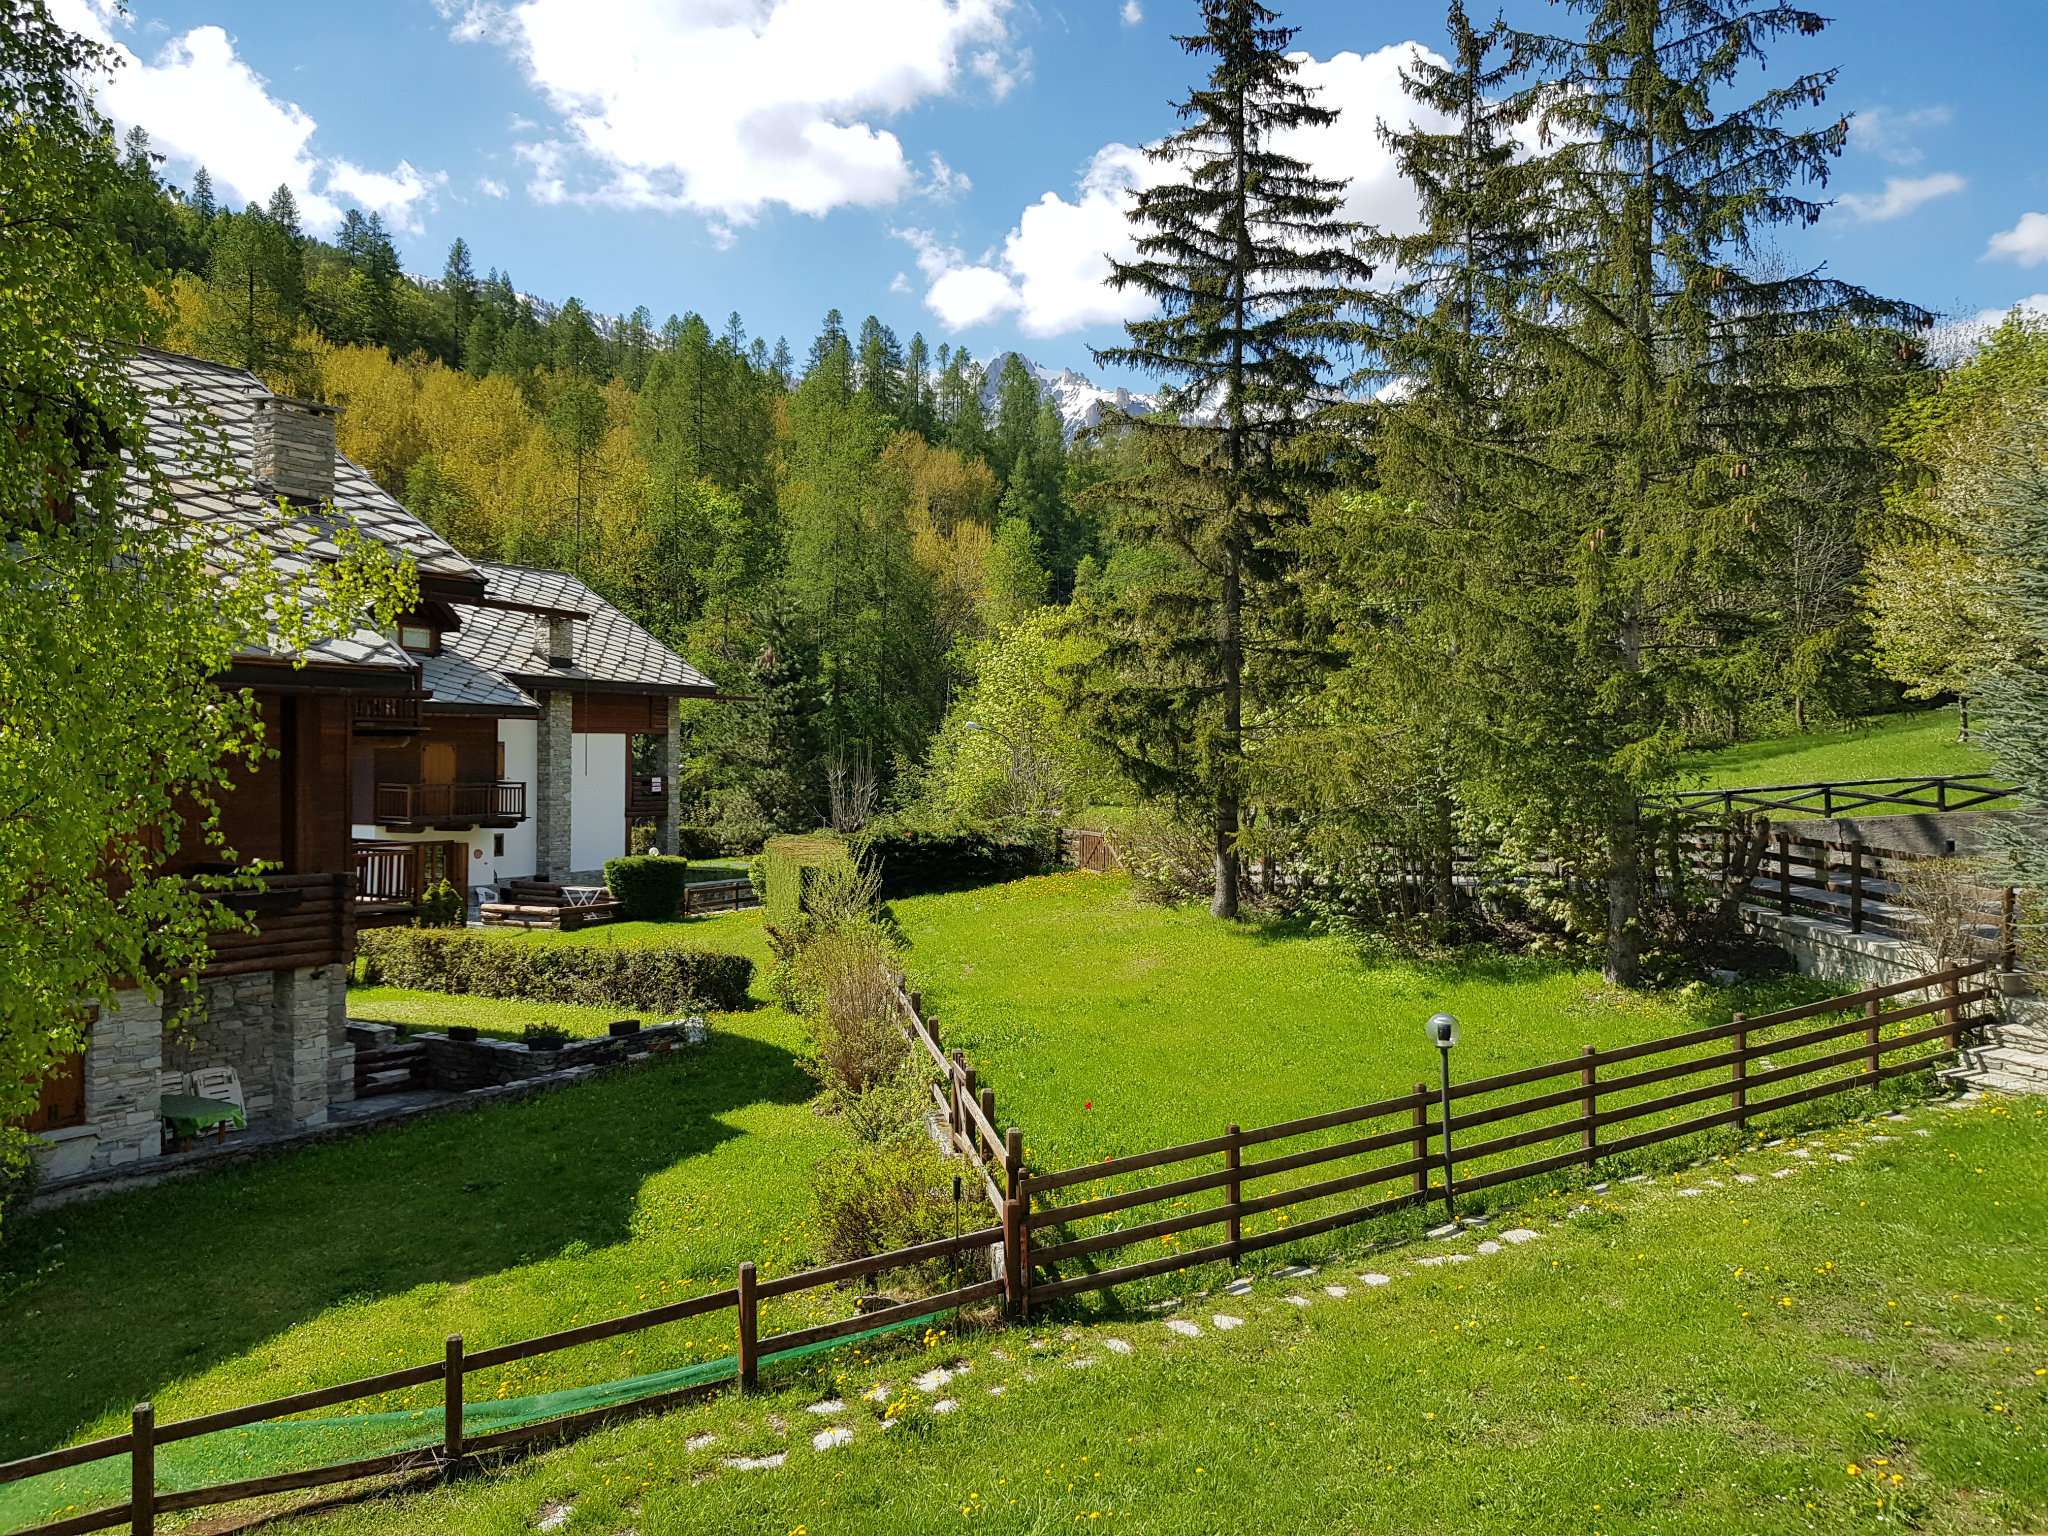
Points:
(622, 1027)
(546, 1037)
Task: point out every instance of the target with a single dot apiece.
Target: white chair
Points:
(221, 1083)
(173, 1084)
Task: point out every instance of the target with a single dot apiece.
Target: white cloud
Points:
(1901, 195)
(727, 107)
(943, 183)
(1133, 13)
(1051, 273)
(2035, 306)
(202, 104)
(1894, 136)
(1002, 73)
(490, 186)
(900, 283)
(2026, 242)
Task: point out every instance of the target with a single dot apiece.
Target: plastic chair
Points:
(173, 1084)
(220, 1083)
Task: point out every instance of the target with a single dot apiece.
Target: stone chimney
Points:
(292, 448)
(554, 639)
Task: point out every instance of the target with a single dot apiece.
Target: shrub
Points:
(545, 1037)
(441, 906)
(1169, 860)
(879, 1196)
(666, 979)
(911, 855)
(855, 1042)
(649, 887)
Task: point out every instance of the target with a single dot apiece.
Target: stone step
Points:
(394, 1081)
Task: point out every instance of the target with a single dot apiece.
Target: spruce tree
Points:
(1659, 410)
(1253, 267)
(203, 202)
(458, 281)
(2013, 689)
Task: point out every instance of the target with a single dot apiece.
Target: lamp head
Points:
(1443, 1030)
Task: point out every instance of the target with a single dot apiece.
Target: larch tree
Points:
(1666, 433)
(1255, 272)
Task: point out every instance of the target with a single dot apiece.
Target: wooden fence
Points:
(1841, 797)
(1401, 1145)
(719, 896)
(1051, 1250)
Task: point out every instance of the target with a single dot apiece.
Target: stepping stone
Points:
(1294, 1272)
(1448, 1229)
(1519, 1235)
(1883, 1138)
(1241, 1286)
(1711, 1183)
(1784, 1173)
(1489, 1247)
(1445, 1258)
(1474, 1221)
(1225, 1322)
(999, 1354)
(831, 1439)
(932, 1380)
(1797, 1152)
(1896, 1119)
(878, 1393)
(1068, 1335)
(1600, 1188)
(1080, 1362)
(1184, 1328)
(1685, 1193)
(1775, 1141)
(997, 1391)
(1162, 1306)
(698, 1441)
(830, 1405)
(1922, 1131)
(1297, 1301)
(1745, 1178)
(1116, 1346)
(552, 1516)
(1376, 1279)
(944, 1405)
(1637, 1178)
(1840, 1157)
(1335, 1292)
(756, 1463)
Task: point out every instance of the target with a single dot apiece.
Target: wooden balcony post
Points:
(142, 1470)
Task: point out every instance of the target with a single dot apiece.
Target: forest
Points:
(1449, 537)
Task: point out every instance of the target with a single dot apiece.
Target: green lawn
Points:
(1888, 747)
(1108, 1026)
(1861, 1346)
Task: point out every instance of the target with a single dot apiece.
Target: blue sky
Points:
(954, 166)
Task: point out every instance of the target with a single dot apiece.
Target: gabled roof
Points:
(611, 651)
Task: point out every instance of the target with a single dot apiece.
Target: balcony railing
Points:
(499, 803)
(300, 920)
(646, 795)
(386, 873)
(385, 714)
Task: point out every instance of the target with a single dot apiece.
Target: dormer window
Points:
(420, 639)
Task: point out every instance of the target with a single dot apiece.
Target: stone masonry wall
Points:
(553, 773)
(123, 1067)
(235, 1031)
(669, 829)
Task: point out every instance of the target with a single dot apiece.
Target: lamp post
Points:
(1443, 1034)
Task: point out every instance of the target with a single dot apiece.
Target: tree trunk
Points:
(1224, 902)
(1624, 904)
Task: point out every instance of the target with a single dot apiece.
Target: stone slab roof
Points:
(610, 649)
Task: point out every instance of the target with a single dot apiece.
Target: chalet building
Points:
(493, 735)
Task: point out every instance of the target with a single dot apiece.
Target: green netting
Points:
(282, 1445)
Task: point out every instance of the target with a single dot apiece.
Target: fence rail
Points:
(1412, 1126)
(1843, 797)
(719, 896)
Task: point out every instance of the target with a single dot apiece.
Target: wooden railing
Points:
(646, 795)
(300, 920)
(386, 872)
(1401, 1141)
(719, 896)
(385, 714)
(1841, 797)
(451, 805)
(967, 1107)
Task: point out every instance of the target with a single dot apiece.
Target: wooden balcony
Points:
(385, 714)
(424, 807)
(300, 920)
(646, 796)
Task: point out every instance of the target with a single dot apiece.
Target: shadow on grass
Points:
(104, 1302)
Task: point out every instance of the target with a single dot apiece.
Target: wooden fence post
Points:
(1013, 1161)
(1231, 1160)
(749, 1318)
(1784, 873)
(1856, 886)
(1953, 1014)
(1419, 1149)
(451, 1404)
(1738, 1070)
(970, 1093)
(988, 1109)
(142, 1470)
(1871, 1010)
(1589, 1104)
(2009, 931)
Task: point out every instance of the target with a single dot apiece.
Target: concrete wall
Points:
(597, 800)
(519, 861)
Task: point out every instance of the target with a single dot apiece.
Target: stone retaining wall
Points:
(463, 1065)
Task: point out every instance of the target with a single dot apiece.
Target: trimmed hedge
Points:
(924, 858)
(649, 886)
(667, 979)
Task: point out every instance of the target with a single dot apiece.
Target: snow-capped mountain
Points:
(1080, 401)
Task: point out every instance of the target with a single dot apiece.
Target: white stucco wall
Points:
(518, 739)
(597, 800)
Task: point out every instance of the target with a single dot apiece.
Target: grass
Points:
(1107, 1026)
(1888, 747)
(1862, 1346)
